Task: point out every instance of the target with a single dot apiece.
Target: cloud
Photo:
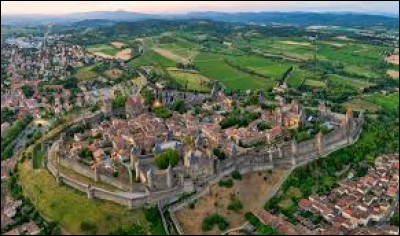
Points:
(60, 7)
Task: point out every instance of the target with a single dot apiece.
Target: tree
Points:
(216, 219)
(163, 113)
(179, 106)
(148, 96)
(37, 135)
(119, 101)
(219, 154)
(395, 219)
(86, 154)
(28, 91)
(168, 157)
(263, 126)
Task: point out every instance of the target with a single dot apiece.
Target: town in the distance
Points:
(200, 123)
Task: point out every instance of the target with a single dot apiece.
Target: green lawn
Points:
(70, 208)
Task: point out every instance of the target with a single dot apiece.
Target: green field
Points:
(342, 81)
(86, 73)
(389, 102)
(358, 59)
(298, 76)
(260, 65)
(152, 58)
(361, 104)
(71, 208)
(315, 83)
(182, 48)
(213, 66)
(103, 48)
(193, 81)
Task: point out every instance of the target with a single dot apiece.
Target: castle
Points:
(129, 147)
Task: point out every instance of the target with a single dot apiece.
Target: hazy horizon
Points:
(177, 7)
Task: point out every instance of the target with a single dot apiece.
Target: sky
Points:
(64, 7)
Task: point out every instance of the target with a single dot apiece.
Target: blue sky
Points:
(62, 7)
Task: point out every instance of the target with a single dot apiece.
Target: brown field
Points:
(360, 104)
(393, 59)
(118, 45)
(252, 190)
(170, 55)
(125, 55)
(394, 74)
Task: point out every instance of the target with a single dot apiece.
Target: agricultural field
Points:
(182, 50)
(213, 66)
(351, 66)
(361, 60)
(103, 48)
(193, 81)
(361, 104)
(388, 102)
(149, 57)
(342, 81)
(111, 51)
(260, 65)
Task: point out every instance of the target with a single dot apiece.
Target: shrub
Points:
(219, 154)
(235, 205)
(88, 227)
(236, 175)
(216, 219)
(163, 113)
(226, 183)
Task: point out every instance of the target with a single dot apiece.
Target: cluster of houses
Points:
(353, 207)
(38, 67)
(52, 60)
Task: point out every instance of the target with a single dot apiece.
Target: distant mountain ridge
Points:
(346, 19)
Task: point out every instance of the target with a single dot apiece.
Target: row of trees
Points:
(8, 140)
